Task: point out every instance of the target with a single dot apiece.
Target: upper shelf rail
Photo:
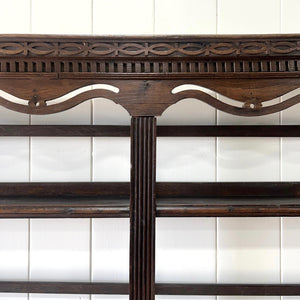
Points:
(106, 190)
(162, 131)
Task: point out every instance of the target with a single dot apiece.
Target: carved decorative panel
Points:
(251, 70)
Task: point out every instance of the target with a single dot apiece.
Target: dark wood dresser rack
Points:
(144, 73)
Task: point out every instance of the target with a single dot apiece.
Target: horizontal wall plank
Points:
(162, 131)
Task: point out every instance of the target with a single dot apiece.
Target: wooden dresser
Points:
(146, 75)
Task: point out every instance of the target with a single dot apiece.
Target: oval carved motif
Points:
(253, 48)
(41, 48)
(162, 49)
(192, 49)
(283, 47)
(131, 49)
(11, 48)
(101, 49)
(72, 49)
(223, 48)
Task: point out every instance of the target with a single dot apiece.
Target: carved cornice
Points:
(178, 56)
(184, 46)
(250, 69)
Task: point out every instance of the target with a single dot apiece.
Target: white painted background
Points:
(258, 250)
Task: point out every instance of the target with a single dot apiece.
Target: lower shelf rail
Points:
(174, 199)
(167, 207)
(110, 288)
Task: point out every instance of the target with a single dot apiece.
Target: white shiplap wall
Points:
(188, 250)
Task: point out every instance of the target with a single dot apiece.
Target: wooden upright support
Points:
(142, 209)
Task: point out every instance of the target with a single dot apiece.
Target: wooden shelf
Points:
(171, 207)
(241, 207)
(48, 207)
(174, 199)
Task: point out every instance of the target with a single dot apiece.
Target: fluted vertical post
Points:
(142, 208)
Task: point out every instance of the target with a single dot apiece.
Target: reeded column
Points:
(142, 208)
